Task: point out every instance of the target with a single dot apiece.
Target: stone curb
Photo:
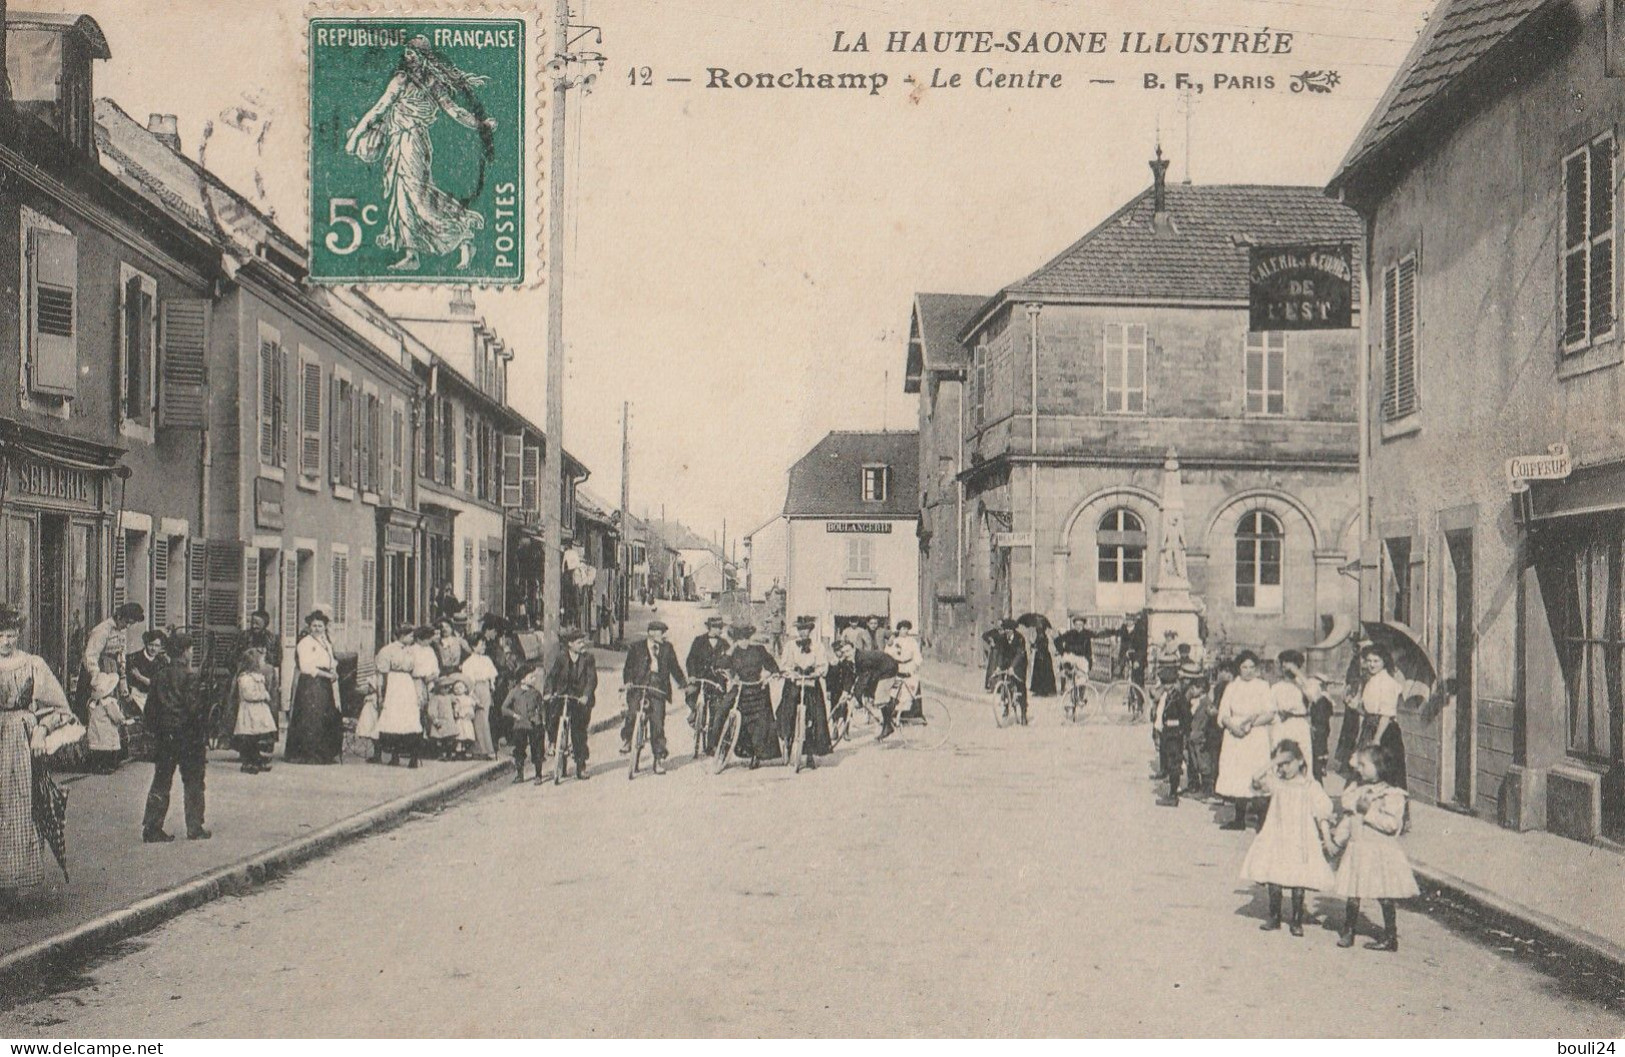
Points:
(1490, 904)
(1571, 938)
(21, 969)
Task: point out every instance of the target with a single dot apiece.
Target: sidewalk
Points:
(1571, 893)
(263, 825)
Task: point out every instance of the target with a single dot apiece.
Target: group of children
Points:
(1307, 842)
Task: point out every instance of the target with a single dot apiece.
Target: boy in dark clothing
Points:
(1176, 721)
(1320, 730)
(178, 718)
(525, 711)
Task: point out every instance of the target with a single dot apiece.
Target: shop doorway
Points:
(1460, 545)
(50, 602)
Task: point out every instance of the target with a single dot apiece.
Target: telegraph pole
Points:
(626, 513)
(553, 485)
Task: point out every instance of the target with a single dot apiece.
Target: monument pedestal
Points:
(1170, 607)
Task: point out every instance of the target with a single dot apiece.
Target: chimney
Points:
(462, 303)
(1160, 220)
(166, 128)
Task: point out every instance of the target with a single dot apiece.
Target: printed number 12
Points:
(638, 75)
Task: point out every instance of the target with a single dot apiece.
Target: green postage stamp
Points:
(417, 150)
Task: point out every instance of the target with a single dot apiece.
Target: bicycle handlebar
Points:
(645, 689)
(566, 697)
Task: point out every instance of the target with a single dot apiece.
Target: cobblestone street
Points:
(1018, 883)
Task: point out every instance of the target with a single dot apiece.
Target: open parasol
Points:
(1413, 667)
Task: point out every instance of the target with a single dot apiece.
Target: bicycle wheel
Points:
(1123, 702)
(561, 746)
(840, 725)
(798, 735)
(929, 732)
(727, 740)
(639, 734)
(702, 722)
(1004, 706)
(1090, 702)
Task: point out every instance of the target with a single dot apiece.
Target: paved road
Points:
(1020, 882)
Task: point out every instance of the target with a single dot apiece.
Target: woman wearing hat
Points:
(104, 652)
(32, 704)
(805, 659)
(316, 726)
(749, 667)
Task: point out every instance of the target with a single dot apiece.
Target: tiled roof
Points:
(933, 334)
(828, 481)
(1201, 255)
(1459, 33)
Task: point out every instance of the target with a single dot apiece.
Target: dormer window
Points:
(876, 483)
(48, 59)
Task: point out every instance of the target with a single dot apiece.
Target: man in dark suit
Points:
(1007, 651)
(573, 675)
(178, 717)
(650, 671)
(706, 658)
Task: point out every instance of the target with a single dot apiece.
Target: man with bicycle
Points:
(1007, 652)
(707, 656)
(868, 669)
(572, 680)
(651, 669)
(1075, 648)
(905, 650)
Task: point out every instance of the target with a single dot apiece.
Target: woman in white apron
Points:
(400, 724)
(1245, 713)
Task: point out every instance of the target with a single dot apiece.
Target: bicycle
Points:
(702, 710)
(1123, 701)
(797, 741)
(562, 738)
(729, 737)
(1007, 699)
(640, 728)
(928, 730)
(1075, 687)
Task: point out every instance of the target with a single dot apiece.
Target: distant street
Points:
(1019, 882)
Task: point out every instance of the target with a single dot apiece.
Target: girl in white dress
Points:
(481, 673)
(1245, 713)
(1288, 851)
(254, 734)
(400, 709)
(1374, 866)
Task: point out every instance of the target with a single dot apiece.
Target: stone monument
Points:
(1171, 608)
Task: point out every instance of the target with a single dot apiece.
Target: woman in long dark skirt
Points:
(1379, 701)
(1043, 677)
(749, 665)
(316, 726)
(805, 659)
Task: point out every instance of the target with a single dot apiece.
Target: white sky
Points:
(741, 262)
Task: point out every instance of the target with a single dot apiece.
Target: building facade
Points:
(1133, 345)
(1488, 178)
(851, 513)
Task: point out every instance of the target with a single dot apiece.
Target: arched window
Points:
(1120, 566)
(1258, 561)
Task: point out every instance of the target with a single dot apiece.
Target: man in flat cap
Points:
(706, 656)
(573, 675)
(651, 669)
(1007, 651)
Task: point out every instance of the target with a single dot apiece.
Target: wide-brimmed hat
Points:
(714, 622)
(744, 631)
(806, 622)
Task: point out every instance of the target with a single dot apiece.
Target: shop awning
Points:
(1594, 490)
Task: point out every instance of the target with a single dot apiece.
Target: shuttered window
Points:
(397, 467)
(138, 341)
(273, 402)
(310, 420)
(369, 589)
(183, 364)
(530, 480)
(470, 452)
(1588, 286)
(341, 589)
(978, 388)
(468, 573)
(159, 617)
(53, 294)
(1399, 339)
(513, 455)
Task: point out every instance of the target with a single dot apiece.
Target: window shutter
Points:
(159, 617)
(1602, 237)
(282, 396)
(223, 592)
(251, 583)
(197, 552)
(1390, 342)
(121, 590)
(290, 598)
(369, 588)
(335, 431)
(1576, 214)
(530, 480)
(267, 403)
(352, 415)
(468, 572)
(53, 320)
(341, 589)
(397, 469)
(513, 467)
(1405, 351)
(310, 420)
(182, 365)
(468, 452)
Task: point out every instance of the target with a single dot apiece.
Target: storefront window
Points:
(1591, 640)
(19, 562)
(84, 609)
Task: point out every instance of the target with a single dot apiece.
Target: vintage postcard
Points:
(901, 519)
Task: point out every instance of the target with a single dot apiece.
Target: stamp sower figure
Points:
(650, 664)
(574, 673)
(422, 218)
(178, 718)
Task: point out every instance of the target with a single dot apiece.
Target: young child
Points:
(525, 708)
(1166, 679)
(254, 734)
(463, 705)
(1374, 866)
(106, 724)
(1289, 849)
(442, 711)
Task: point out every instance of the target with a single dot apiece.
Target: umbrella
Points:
(51, 814)
(1412, 665)
(1033, 620)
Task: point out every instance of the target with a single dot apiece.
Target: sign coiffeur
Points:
(1303, 287)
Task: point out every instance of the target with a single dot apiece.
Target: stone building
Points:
(1136, 342)
(1488, 178)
